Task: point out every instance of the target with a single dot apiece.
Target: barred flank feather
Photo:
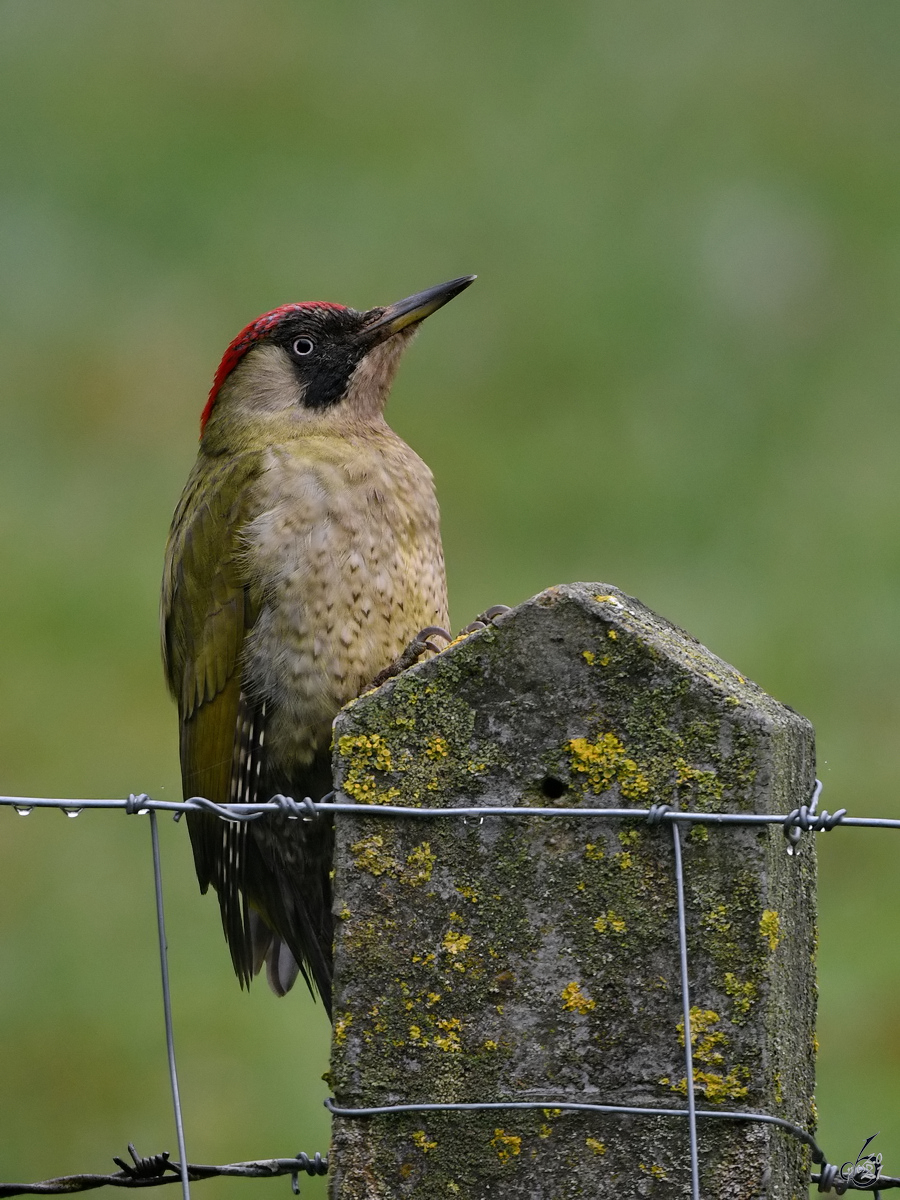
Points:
(231, 862)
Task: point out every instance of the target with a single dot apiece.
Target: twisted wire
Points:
(797, 821)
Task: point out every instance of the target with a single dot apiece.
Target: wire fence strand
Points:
(686, 1016)
(167, 1007)
(158, 1169)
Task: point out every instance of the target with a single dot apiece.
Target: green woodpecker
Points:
(304, 557)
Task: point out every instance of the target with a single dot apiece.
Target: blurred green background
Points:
(677, 373)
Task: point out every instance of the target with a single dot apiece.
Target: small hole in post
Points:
(552, 787)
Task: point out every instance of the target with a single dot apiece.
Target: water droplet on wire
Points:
(23, 810)
(73, 812)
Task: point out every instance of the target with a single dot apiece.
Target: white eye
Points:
(303, 346)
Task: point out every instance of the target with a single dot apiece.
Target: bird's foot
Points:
(413, 652)
(486, 618)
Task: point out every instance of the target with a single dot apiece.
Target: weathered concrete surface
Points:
(538, 958)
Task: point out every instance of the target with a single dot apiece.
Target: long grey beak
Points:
(395, 317)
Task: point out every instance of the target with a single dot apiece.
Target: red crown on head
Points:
(246, 340)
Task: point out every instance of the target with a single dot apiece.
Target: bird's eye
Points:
(303, 346)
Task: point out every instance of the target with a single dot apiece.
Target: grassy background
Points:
(677, 372)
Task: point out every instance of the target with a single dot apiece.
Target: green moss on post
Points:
(537, 959)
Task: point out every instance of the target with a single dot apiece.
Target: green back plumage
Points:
(208, 605)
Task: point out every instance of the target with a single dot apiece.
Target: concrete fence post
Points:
(537, 958)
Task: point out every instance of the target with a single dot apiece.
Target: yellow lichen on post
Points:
(366, 754)
(437, 747)
(604, 762)
(448, 1039)
(506, 1144)
(769, 927)
(707, 1044)
(421, 861)
(706, 785)
(341, 1027)
(455, 943)
(705, 1038)
(574, 999)
(714, 1087)
(743, 994)
(370, 856)
(609, 922)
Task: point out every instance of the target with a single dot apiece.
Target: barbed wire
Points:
(152, 1171)
(158, 1169)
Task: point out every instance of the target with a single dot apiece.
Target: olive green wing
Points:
(208, 605)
